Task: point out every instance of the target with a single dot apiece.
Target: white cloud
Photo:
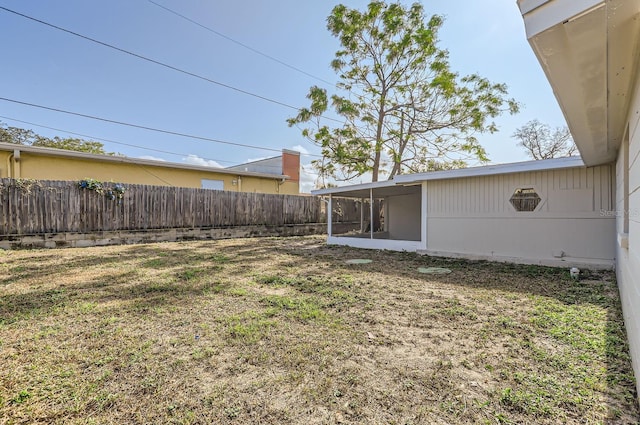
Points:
(196, 160)
(301, 149)
(308, 178)
(152, 158)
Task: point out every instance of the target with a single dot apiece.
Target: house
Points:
(28, 162)
(566, 211)
(555, 212)
(288, 163)
(589, 51)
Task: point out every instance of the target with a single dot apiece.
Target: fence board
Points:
(62, 206)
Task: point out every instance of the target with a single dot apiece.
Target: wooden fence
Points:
(36, 207)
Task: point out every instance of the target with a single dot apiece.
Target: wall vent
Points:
(525, 199)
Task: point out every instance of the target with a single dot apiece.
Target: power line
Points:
(147, 59)
(156, 62)
(153, 174)
(109, 140)
(157, 130)
(226, 37)
(131, 145)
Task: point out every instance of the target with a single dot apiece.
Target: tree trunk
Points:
(397, 162)
(376, 167)
(376, 158)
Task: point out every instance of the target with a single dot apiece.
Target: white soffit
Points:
(623, 45)
(527, 6)
(588, 51)
(540, 15)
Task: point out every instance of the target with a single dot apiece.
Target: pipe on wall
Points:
(16, 164)
(13, 165)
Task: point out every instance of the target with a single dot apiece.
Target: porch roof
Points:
(409, 183)
(380, 189)
(489, 170)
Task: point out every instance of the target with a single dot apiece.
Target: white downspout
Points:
(17, 173)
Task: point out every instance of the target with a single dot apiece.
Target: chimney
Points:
(291, 164)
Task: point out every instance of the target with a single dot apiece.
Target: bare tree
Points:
(541, 142)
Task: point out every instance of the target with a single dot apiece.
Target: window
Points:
(213, 184)
(525, 199)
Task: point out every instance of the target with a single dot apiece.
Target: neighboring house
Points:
(28, 162)
(288, 163)
(586, 214)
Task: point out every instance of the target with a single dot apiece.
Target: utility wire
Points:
(156, 62)
(157, 130)
(226, 37)
(131, 145)
(128, 144)
(108, 140)
(154, 175)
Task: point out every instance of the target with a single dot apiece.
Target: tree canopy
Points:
(21, 136)
(541, 142)
(400, 105)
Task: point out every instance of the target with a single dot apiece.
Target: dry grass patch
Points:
(284, 331)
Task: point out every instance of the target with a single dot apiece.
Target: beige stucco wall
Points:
(628, 258)
(403, 217)
(42, 167)
(574, 222)
(4, 163)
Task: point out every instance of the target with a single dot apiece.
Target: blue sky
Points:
(44, 66)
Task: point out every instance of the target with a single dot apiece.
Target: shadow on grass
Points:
(595, 288)
(189, 270)
(126, 288)
(15, 307)
(180, 275)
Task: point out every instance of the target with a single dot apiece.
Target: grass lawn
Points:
(279, 331)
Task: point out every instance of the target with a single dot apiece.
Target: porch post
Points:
(329, 216)
(423, 216)
(385, 214)
(371, 212)
(361, 215)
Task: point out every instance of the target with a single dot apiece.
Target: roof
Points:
(257, 161)
(382, 188)
(128, 160)
(406, 183)
(490, 170)
(588, 50)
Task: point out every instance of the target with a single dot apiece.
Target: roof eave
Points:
(488, 170)
(588, 50)
(137, 161)
(350, 188)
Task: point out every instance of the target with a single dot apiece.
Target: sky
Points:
(48, 67)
